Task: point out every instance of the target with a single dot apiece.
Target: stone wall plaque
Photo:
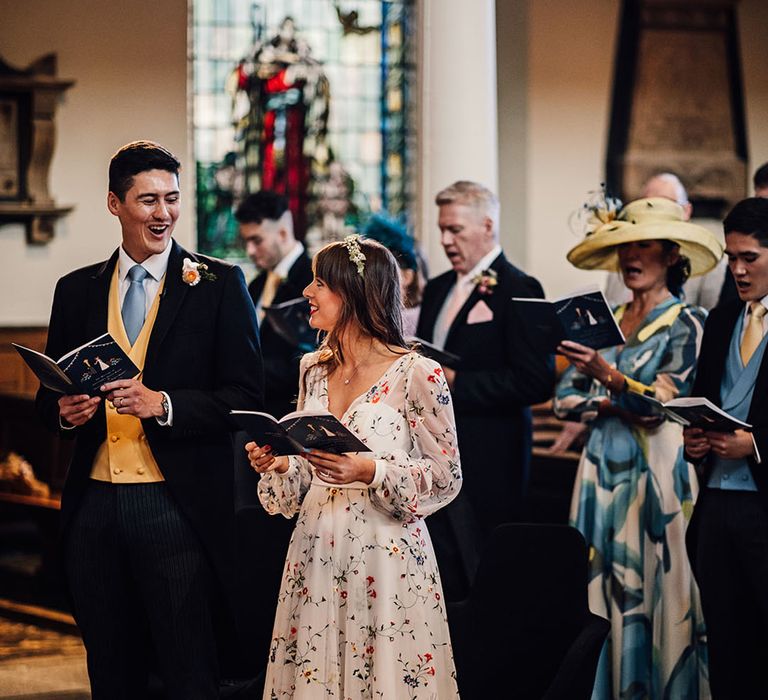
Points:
(10, 167)
(678, 103)
(28, 101)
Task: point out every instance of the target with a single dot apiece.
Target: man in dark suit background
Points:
(266, 230)
(147, 516)
(728, 535)
(468, 312)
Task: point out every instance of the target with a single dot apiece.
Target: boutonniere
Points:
(193, 272)
(486, 281)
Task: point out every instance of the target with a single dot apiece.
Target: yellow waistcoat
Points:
(124, 457)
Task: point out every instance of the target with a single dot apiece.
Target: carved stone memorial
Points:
(678, 103)
(28, 100)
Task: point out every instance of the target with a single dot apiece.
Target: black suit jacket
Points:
(281, 359)
(502, 372)
(709, 374)
(204, 352)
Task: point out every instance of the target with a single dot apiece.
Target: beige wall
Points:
(554, 106)
(129, 61)
(570, 59)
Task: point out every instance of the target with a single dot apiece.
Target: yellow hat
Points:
(655, 218)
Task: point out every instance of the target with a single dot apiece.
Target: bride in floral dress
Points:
(360, 612)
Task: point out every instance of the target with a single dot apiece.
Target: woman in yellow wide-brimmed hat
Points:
(634, 492)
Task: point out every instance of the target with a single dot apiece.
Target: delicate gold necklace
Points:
(351, 376)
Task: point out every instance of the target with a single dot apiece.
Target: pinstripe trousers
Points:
(142, 590)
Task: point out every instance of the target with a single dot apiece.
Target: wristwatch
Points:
(165, 406)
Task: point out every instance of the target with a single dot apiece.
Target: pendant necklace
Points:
(351, 376)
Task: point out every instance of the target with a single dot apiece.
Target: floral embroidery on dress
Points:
(360, 611)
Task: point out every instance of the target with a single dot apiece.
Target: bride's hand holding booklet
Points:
(298, 432)
(82, 370)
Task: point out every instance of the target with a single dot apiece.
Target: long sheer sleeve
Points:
(283, 493)
(410, 485)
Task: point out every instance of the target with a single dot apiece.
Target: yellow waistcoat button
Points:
(114, 438)
(116, 470)
(140, 471)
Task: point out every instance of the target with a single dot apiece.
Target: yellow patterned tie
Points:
(753, 334)
(270, 289)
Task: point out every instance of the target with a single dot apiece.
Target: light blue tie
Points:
(134, 304)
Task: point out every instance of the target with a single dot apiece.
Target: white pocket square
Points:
(480, 313)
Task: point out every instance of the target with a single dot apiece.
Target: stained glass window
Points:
(311, 98)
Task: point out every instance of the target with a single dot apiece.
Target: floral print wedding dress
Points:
(360, 612)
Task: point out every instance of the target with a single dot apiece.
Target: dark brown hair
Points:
(138, 157)
(370, 301)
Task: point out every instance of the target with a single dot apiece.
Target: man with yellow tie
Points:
(266, 231)
(147, 510)
(728, 534)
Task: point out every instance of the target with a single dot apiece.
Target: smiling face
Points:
(748, 261)
(148, 213)
(324, 305)
(644, 264)
(465, 234)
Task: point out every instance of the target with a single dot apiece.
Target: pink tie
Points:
(458, 297)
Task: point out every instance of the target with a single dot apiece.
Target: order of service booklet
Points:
(583, 317)
(82, 370)
(298, 432)
(698, 412)
(290, 320)
(445, 358)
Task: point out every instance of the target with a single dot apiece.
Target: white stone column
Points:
(458, 118)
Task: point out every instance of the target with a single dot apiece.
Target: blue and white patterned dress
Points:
(632, 501)
(360, 612)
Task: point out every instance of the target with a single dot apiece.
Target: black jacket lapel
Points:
(173, 294)
(98, 298)
(473, 298)
(430, 311)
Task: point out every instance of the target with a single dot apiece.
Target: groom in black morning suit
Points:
(727, 538)
(147, 509)
(502, 370)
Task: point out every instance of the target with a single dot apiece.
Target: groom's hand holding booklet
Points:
(299, 432)
(697, 412)
(82, 370)
(583, 317)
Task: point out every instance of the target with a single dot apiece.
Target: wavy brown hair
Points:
(370, 301)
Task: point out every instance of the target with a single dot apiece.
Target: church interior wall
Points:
(129, 61)
(554, 107)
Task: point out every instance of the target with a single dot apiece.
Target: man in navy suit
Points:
(147, 509)
(728, 535)
(502, 371)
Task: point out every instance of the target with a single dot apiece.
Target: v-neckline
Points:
(655, 312)
(365, 393)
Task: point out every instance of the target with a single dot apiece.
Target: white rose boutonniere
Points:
(193, 272)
